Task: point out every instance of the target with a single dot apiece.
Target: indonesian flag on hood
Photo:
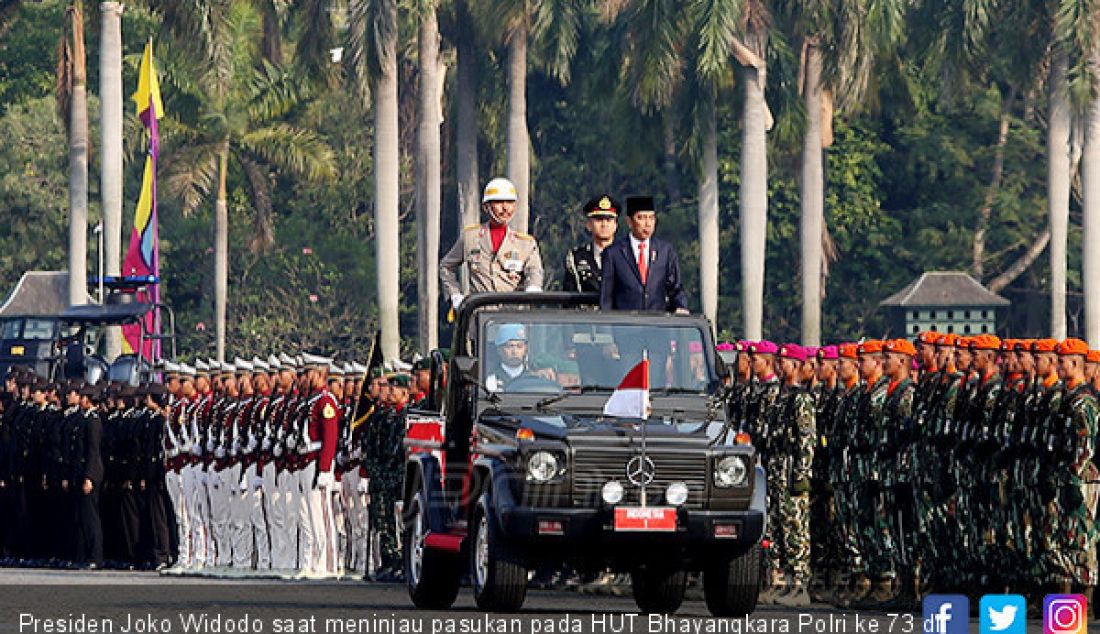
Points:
(631, 398)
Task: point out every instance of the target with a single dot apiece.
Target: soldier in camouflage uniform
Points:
(845, 491)
(874, 533)
(383, 458)
(825, 530)
(1074, 533)
(760, 425)
(791, 445)
(895, 464)
(977, 442)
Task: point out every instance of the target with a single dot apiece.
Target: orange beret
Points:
(964, 342)
(1093, 356)
(1024, 344)
(849, 350)
(871, 346)
(900, 345)
(1073, 346)
(1008, 345)
(986, 342)
(947, 339)
(929, 337)
(1044, 345)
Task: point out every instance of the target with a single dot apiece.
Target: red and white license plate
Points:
(645, 518)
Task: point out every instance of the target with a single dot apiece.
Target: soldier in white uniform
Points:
(499, 258)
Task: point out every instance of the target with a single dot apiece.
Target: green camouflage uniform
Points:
(1074, 507)
(873, 531)
(825, 545)
(845, 492)
(797, 457)
(384, 458)
(895, 466)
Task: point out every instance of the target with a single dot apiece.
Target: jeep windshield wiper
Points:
(667, 391)
(557, 398)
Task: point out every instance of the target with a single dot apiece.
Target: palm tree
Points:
(839, 40)
(373, 32)
(428, 178)
(1090, 179)
(750, 48)
(72, 100)
(110, 128)
(241, 128)
(466, 127)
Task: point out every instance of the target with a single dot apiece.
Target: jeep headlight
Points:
(731, 471)
(542, 466)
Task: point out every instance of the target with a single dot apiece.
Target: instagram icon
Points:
(1064, 614)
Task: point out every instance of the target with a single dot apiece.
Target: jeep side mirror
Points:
(722, 365)
(467, 368)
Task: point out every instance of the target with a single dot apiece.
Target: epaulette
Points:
(524, 236)
(471, 227)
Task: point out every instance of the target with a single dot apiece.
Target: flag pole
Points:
(645, 422)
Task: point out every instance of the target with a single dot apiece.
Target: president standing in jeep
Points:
(641, 272)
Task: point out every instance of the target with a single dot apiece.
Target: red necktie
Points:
(643, 264)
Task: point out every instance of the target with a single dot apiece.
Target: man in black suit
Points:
(641, 272)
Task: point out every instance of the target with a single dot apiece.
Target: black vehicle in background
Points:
(57, 341)
(528, 470)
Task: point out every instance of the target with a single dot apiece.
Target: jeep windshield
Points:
(532, 354)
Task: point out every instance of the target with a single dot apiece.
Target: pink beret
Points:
(828, 352)
(763, 347)
(792, 351)
(811, 351)
(725, 346)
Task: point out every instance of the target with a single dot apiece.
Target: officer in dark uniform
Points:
(87, 474)
(582, 264)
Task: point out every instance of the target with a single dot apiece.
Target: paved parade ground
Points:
(133, 602)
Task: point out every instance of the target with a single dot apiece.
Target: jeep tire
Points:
(497, 571)
(658, 588)
(432, 576)
(731, 585)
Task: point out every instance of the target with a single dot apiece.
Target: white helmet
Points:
(499, 189)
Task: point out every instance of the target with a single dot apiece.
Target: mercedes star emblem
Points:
(640, 470)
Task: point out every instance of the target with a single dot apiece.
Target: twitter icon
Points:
(1002, 614)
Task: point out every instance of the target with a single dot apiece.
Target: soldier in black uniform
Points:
(582, 264)
(87, 474)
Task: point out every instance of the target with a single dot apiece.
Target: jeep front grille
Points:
(594, 466)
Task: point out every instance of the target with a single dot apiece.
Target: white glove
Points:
(196, 449)
(210, 444)
(534, 289)
(277, 450)
(235, 448)
(214, 480)
(356, 454)
(252, 442)
(363, 487)
(456, 300)
(266, 444)
(257, 483)
(204, 477)
(219, 453)
(325, 480)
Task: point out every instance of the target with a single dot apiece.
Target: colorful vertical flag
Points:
(142, 256)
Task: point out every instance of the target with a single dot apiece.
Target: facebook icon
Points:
(946, 614)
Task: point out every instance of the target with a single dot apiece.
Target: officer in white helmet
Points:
(499, 258)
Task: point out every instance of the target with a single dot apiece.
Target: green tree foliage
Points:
(905, 176)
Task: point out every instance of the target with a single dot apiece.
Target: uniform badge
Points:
(329, 411)
(605, 203)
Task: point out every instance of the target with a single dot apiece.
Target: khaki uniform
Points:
(517, 265)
